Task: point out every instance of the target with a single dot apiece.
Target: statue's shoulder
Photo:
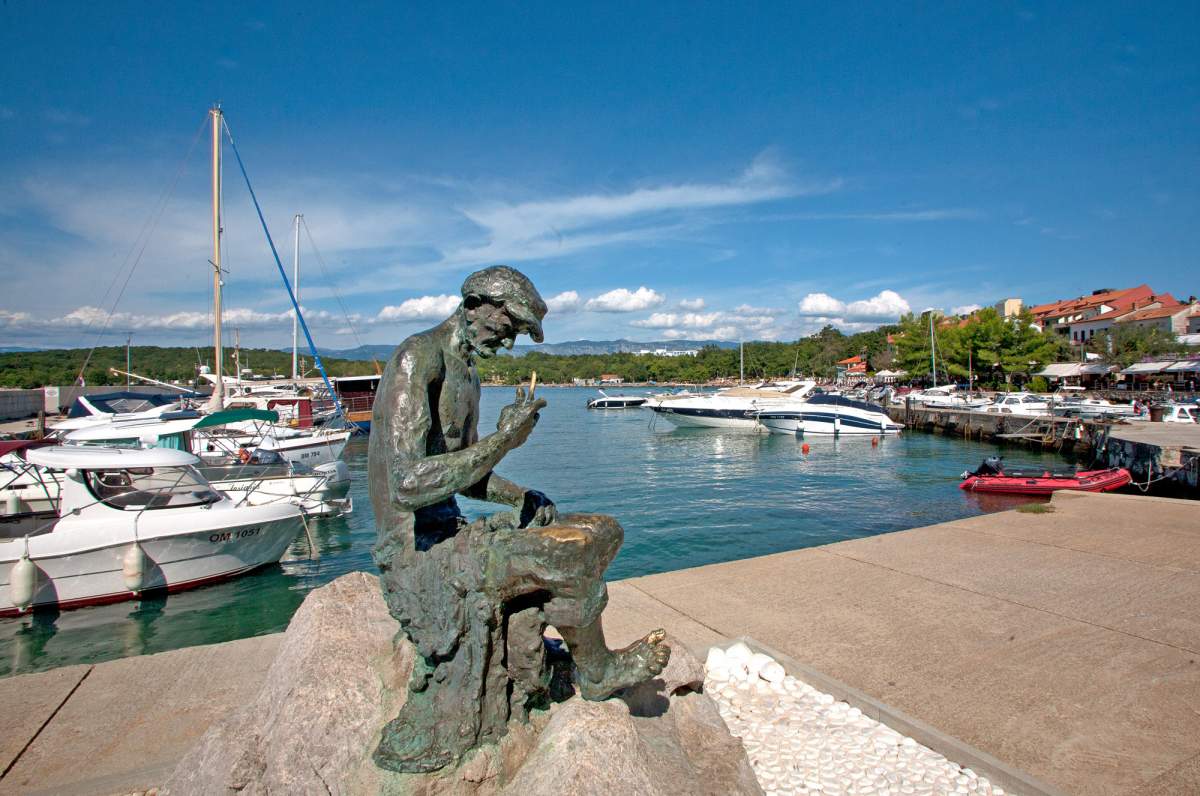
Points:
(418, 356)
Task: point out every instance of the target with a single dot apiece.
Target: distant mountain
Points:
(572, 348)
(17, 349)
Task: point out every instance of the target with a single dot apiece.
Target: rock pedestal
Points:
(339, 678)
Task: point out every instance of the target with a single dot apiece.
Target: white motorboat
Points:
(945, 397)
(606, 401)
(1091, 408)
(733, 408)
(233, 460)
(128, 522)
(829, 414)
(1019, 404)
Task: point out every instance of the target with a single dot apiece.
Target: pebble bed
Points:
(803, 741)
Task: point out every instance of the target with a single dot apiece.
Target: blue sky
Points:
(660, 170)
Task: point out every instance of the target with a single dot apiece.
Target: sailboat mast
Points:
(741, 361)
(932, 350)
(296, 292)
(217, 402)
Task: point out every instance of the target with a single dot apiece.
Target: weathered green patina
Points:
(475, 597)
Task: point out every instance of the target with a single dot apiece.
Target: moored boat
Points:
(606, 401)
(991, 477)
(130, 521)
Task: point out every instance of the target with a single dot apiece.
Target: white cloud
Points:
(622, 300)
(725, 333)
(888, 305)
(821, 305)
(423, 308)
(567, 301)
(694, 305)
(544, 228)
(94, 319)
(689, 320)
(966, 309)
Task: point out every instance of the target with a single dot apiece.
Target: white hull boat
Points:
(131, 522)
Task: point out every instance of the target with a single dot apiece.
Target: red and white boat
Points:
(991, 478)
(127, 522)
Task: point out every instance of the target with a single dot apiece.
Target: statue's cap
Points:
(511, 288)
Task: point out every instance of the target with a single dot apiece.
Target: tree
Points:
(1122, 345)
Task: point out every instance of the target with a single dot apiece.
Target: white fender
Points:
(133, 568)
(13, 503)
(22, 581)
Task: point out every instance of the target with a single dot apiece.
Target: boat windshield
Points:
(135, 489)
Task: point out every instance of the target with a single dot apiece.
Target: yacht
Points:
(128, 522)
(606, 401)
(789, 407)
(830, 414)
(945, 397)
(1019, 404)
(732, 408)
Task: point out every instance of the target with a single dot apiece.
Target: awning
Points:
(1187, 366)
(1064, 370)
(1141, 368)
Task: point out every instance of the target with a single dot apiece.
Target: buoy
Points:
(874, 442)
(804, 448)
(22, 581)
(12, 505)
(133, 568)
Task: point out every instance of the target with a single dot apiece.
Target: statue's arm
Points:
(418, 479)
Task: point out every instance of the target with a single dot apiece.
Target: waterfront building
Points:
(1080, 374)
(1060, 315)
(851, 370)
(1171, 318)
(890, 376)
(611, 378)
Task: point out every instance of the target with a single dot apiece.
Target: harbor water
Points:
(686, 497)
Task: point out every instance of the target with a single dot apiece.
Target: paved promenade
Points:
(1065, 644)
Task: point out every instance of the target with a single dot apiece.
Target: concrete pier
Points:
(1064, 644)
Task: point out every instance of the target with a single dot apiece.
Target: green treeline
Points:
(30, 369)
(997, 351)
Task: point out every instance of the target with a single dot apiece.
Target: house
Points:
(611, 378)
(1059, 315)
(1082, 331)
(852, 369)
(1172, 318)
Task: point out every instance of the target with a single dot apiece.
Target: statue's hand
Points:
(537, 510)
(518, 418)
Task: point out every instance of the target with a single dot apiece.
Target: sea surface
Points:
(686, 497)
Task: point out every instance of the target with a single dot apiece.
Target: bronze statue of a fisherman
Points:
(475, 597)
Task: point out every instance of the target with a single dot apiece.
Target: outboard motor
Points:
(992, 465)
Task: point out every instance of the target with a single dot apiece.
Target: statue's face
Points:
(488, 327)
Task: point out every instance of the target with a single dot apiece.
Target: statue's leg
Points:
(430, 593)
(525, 661)
(568, 560)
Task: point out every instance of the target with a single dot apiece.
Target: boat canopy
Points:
(120, 403)
(237, 416)
(63, 457)
(150, 430)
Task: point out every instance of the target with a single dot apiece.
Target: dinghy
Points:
(992, 478)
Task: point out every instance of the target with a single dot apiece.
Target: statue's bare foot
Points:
(635, 664)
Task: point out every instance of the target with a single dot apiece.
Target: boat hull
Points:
(1087, 481)
(71, 572)
(685, 417)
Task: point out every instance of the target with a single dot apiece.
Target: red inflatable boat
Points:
(992, 478)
